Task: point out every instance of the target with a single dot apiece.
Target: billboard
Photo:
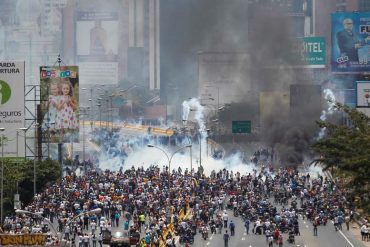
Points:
(363, 94)
(12, 76)
(97, 46)
(350, 42)
(313, 52)
(59, 104)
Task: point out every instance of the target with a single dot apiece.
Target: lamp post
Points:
(24, 130)
(37, 214)
(83, 138)
(218, 108)
(94, 211)
(34, 160)
(99, 105)
(170, 158)
(2, 177)
(218, 94)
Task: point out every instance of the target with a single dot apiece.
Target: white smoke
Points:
(330, 98)
(139, 155)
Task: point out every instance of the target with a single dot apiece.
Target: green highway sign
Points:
(241, 127)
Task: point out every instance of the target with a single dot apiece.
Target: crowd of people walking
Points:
(147, 201)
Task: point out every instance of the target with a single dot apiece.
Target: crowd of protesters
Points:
(145, 201)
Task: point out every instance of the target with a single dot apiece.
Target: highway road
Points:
(327, 236)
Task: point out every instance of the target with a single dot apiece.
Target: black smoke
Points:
(264, 30)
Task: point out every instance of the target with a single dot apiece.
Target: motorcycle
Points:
(291, 239)
(205, 233)
(213, 229)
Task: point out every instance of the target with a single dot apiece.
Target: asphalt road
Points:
(327, 236)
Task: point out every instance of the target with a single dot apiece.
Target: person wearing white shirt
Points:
(225, 218)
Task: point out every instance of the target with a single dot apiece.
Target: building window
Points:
(341, 5)
(364, 5)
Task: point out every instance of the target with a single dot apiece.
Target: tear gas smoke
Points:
(137, 154)
(330, 98)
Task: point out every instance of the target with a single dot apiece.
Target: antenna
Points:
(59, 61)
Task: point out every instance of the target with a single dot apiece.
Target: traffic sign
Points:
(241, 127)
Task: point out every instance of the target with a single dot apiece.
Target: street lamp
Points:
(2, 177)
(24, 129)
(91, 103)
(34, 160)
(83, 138)
(37, 214)
(218, 94)
(99, 105)
(93, 211)
(170, 158)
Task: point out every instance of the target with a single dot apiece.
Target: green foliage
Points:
(347, 148)
(21, 173)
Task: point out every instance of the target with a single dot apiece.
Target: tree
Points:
(21, 172)
(346, 148)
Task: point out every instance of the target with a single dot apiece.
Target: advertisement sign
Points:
(350, 42)
(12, 107)
(97, 36)
(97, 47)
(363, 94)
(59, 104)
(313, 52)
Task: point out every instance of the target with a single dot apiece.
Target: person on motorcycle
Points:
(205, 232)
(212, 225)
(291, 237)
(219, 225)
(268, 234)
(235, 207)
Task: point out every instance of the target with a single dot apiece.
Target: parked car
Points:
(120, 239)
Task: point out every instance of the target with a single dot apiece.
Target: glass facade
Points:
(364, 5)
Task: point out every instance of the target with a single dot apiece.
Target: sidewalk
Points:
(354, 228)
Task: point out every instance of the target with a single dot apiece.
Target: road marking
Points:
(346, 238)
(243, 239)
(208, 243)
(244, 234)
(341, 233)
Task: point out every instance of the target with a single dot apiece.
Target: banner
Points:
(12, 76)
(363, 94)
(23, 239)
(59, 104)
(350, 42)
